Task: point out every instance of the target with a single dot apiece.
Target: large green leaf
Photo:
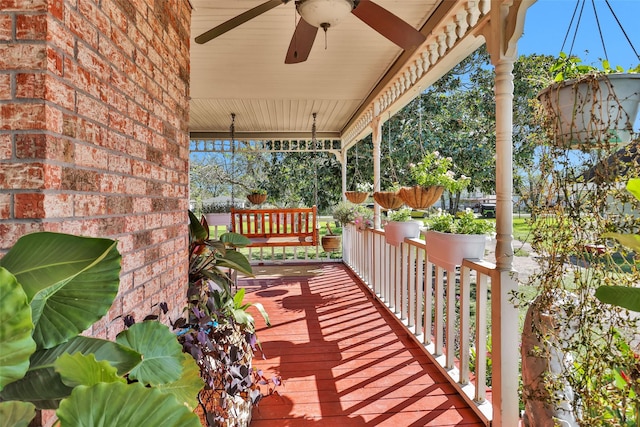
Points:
(235, 240)
(186, 389)
(196, 229)
(263, 312)
(235, 260)
(633, 186)
(621, 296)
(16, 344)
(43, 386)
(161, 352)
(70, 281)
(16, 414)
(631, 241)
(118, 405)
(79, 369)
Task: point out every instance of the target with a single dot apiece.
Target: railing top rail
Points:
(480, 265)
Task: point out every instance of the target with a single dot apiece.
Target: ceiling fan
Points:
(324, 14)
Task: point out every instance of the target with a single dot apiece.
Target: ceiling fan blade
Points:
(388, 24)
(238, 20)
(301, 42)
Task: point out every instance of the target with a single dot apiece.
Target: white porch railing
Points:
(435, 310)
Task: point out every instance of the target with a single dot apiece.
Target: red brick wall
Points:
(94, 135)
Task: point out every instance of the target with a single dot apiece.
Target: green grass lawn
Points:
(522, 229)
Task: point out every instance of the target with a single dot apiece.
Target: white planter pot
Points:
(395, 232)
(218, 218)
(448, 250)
(592, 111)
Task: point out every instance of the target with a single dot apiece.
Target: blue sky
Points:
(547, 22)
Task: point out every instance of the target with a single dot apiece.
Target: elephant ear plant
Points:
(52, 288)
(217, 330)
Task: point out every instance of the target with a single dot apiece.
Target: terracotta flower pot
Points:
(419, 197)
(330, 243)
(356, 197)
(257, 198)
(388, 199)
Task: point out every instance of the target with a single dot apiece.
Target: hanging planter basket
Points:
(593, 111)
(418, 197)
(257, 198)
(388, 199)
(356, 197)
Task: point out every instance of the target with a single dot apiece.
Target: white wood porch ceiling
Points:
(243, 71)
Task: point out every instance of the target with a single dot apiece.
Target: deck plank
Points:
(343, 359)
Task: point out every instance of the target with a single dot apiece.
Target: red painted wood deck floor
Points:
(344, 360)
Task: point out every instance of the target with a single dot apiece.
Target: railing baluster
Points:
(396, 282)
(465, 308)
(411, 285)
(428, 303)
(378, 250)
(419, 292)
(451, 319)
(481, 337)
(439, 311)
(404, 280)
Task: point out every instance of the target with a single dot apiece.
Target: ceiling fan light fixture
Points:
(324, 13)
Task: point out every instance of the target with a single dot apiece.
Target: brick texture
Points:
(94, 136)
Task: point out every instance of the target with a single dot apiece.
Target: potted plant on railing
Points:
(390, 198)
(432, 175)
(588, 107)
(363, 219)
(400, 225)
(346, 212)
(217, 214)
(450, 239)
(257, 196)
(360, 194)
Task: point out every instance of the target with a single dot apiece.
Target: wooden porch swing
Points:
(280, 227)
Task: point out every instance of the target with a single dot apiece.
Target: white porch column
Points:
(502, 34)
(504, 329)
(504, 164)
(376, 137)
